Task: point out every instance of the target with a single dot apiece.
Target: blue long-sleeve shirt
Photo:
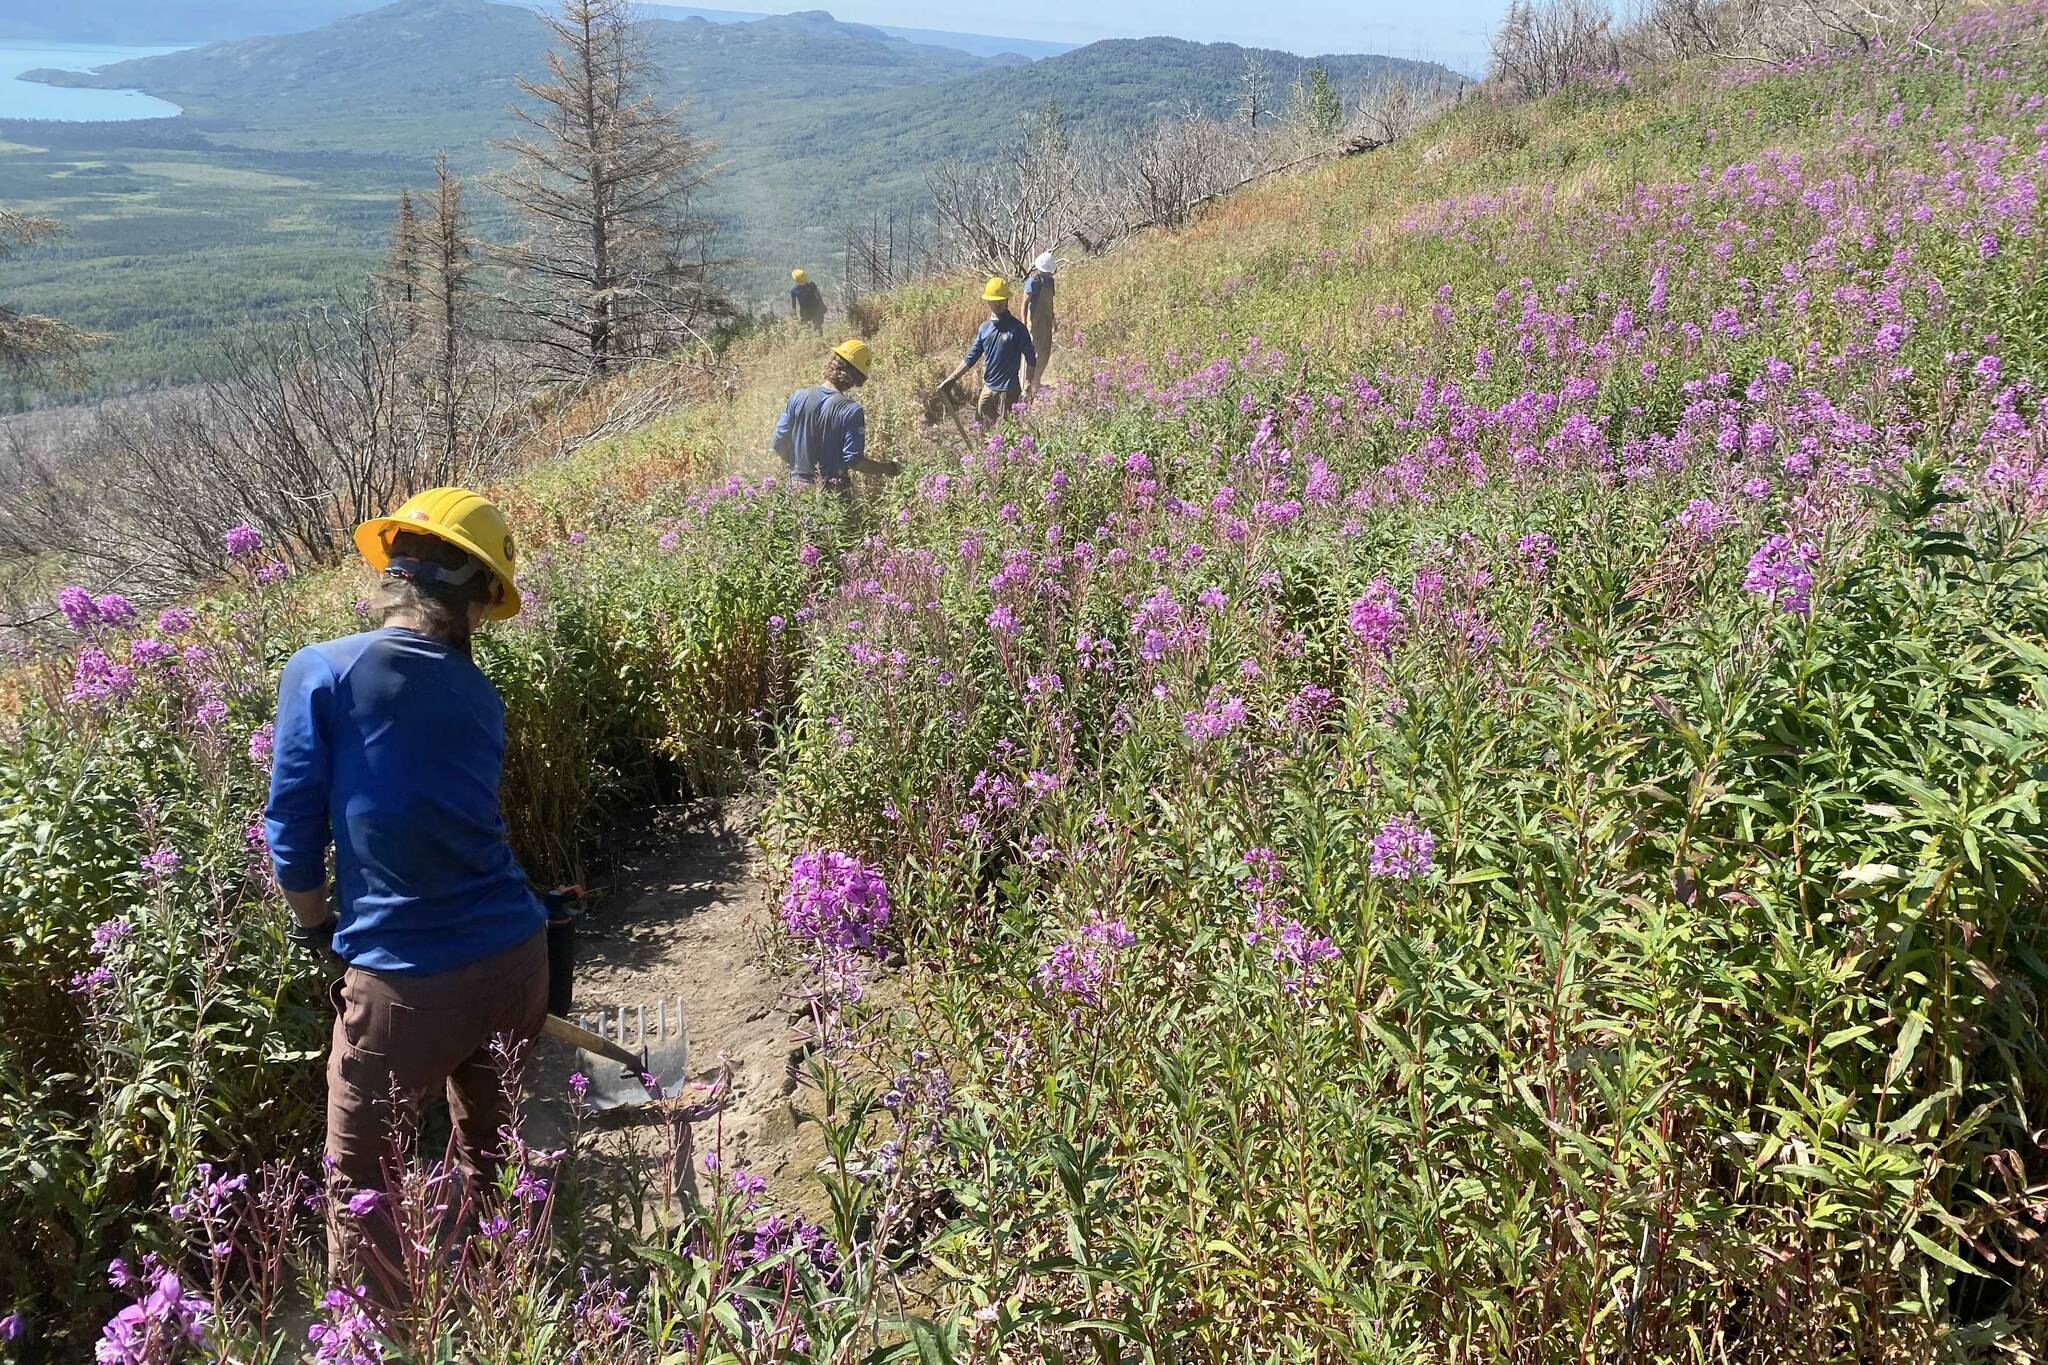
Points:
(389, 745)
(821, 434)
(1003, 346)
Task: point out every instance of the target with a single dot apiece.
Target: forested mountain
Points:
(418, 75)
(145, 22)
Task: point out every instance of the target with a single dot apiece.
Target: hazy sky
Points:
(1450, 31)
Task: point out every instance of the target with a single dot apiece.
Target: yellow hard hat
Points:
(997, 290)
(798, 276)
(466, 520)
(856, 353)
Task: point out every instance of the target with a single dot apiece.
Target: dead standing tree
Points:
(447, 308)
(1255, 85)
(613, 267)
(1541, 47)
(994, 216)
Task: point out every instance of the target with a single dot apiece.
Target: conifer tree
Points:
(401, 275)
(31, 342)
(447, 302)
(613, 265)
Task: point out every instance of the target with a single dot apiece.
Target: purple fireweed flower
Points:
(156, 1329)
(76, 603)
(10, 1327)
(108, 935)
(1375, 618)
(834, 901)
(1079, 968)
(579, 1084)
(1536, 550)
(1298, 956)
(1309, 708)
(1704, 519)
(349, 1336)
(276, 571)
(96, 678)
(1782, 570)
(807, 555)
(1218, 716)
(242, 541)
(211, 1197)
(1403, 850)
(260, 742)
(85, 983)
(112, 609)
(210, 713)
(363, 1203)
(146, 652)
(174, 621)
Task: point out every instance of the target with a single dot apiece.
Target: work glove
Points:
(317, 939)
(562, 903)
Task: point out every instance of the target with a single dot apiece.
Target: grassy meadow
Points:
(1465, 786)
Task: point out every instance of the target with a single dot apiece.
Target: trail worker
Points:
(389, 746)
(807, 302)
(823, 433)
(1004, 348)
(1038, 292)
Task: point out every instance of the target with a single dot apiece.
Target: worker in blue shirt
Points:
(823, 433)
(807, 302)
(1008, 359)
(388, 748)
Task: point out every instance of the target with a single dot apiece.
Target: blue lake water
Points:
(31, 99)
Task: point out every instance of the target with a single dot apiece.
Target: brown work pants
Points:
(410, 1036)
(994, 405)
(1041, 342)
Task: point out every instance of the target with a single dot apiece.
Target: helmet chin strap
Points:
(429, 575)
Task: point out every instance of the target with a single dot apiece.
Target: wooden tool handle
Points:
(558, 1027)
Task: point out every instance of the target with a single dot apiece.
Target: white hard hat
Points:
(1044, 263)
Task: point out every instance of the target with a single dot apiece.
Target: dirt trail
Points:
(687, 917)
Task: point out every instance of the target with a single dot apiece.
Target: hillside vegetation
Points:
(1466, 786)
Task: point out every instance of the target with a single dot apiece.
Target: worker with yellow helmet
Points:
(806, 302)
(823, 433)
(1009, 360)
(388, 748)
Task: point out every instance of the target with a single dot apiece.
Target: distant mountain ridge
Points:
(975, 44)
(147, 23)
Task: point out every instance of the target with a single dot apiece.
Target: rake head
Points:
(654, 1036)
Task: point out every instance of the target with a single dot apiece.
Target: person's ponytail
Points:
(434, 583)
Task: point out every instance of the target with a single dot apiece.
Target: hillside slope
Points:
(1468, 785)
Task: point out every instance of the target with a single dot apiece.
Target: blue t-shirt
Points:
(809, 302)
(1003, 346)
(822, 432)
(389, 745)
(1038, 283)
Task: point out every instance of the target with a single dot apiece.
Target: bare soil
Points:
(687, 918)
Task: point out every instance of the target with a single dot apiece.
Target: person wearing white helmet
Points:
(1038, 291)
